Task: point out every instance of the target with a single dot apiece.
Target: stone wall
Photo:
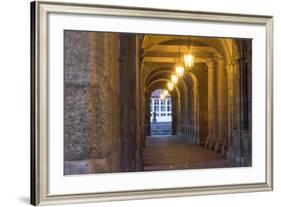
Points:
(239, 140)
(76, 100)
(99, 127)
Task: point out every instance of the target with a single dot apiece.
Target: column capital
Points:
(230, 65)
(220, 61)
(210, 63)
(214, 60)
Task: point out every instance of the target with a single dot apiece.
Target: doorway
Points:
(160, 113)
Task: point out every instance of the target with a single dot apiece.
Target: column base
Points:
(213, 142)
(246, 162)
(238, 159)
(230, 156)
(208, 140)
(219, 145)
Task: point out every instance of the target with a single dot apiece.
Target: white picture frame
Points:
(44, 31)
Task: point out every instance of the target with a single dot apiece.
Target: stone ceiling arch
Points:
(161, 84)
(193, 78)
(156, 72)
(221, 45)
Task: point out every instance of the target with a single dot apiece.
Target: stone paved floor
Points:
(161, 128)
(170, 152)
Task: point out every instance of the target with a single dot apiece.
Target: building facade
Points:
(161, 109)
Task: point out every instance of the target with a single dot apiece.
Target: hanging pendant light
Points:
(179, 70)
(188, 58)
(174, 78)
(179, 67)
(162, 96)
(170, 86)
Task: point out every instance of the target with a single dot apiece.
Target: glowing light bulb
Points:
(162, 96)
(174, 78)
(170, 86)
(179, 70)
(188, 60)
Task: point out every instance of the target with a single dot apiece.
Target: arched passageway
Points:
(160, 113)
(208, 104)
(110, 80)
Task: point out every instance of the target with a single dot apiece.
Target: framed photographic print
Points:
(133, 103)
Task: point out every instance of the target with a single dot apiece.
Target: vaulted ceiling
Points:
(161, 52)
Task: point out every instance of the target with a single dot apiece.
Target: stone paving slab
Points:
(171, 152)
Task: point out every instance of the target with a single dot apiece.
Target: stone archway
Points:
(110, 92)
(161, 84)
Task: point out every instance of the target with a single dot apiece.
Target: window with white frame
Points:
(169, 104)
(156, 105)
(162, 109)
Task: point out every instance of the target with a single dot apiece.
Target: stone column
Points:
(212, 108)
(246, 104)
(147, 116)
(221, 99)
(128, 110)
(174, 114)
(196, 116)
(188, 112)
(229, 102)
(142, 106)
(233, 82)
(138, 87)
(104, 102)
(210, 65)
(238, 113)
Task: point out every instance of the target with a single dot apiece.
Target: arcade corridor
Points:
(110, 79)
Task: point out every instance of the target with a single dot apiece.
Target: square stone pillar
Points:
(229, 103)
(104, 101)
(211, 106)
(221, 104)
